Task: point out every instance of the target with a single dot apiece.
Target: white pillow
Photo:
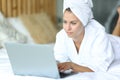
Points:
(9, 33)
(1, 18)
(3, 38)
(17, 23)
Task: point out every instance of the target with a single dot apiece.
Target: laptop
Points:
(33, 60)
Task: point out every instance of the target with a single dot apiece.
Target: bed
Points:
(20, 19)
(7, 74)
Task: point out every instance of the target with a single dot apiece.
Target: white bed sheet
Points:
(7, 74)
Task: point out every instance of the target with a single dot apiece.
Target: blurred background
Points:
(38, 21)
(104, 12)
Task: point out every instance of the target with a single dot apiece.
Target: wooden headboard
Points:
(13, 8)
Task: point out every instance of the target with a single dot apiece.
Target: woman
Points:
(116, 31)
(82, 45)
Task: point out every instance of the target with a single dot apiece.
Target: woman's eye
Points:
(73, 23)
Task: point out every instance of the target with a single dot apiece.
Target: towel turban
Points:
(81, 8)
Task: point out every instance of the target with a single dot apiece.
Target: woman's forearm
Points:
(75, 67)
(78, 68)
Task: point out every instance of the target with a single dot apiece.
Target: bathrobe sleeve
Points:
(60, 50)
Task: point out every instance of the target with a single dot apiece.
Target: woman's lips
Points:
(69, 33)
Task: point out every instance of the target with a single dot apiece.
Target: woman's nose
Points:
(67, 27)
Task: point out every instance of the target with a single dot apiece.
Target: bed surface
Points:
(7, 74)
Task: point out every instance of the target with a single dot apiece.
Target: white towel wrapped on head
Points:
(81, 8)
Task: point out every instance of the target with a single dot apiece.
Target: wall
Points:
(102, 9)
(59, 10)
(13, 8)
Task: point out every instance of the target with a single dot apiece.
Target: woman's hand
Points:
(75, 67)
(64, 66)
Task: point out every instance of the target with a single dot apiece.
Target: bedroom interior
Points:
(46, 18)
(36, 17)
(37, 22)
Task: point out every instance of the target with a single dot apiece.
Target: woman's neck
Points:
(78, 41)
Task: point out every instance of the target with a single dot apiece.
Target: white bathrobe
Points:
(95, 51)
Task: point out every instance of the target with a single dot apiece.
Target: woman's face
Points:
(72, 25)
